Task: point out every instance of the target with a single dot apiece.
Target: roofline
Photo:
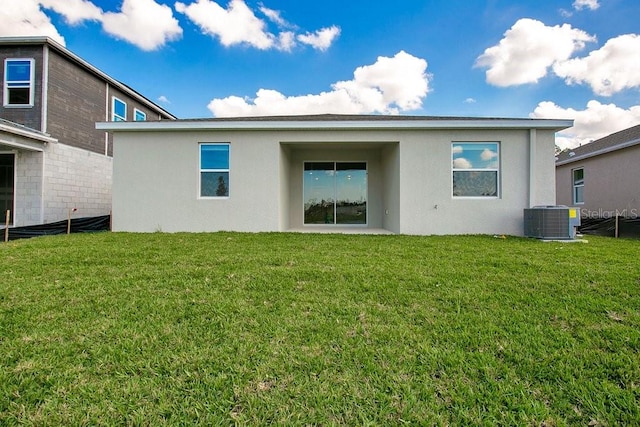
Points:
(293, 124)
(599, 152)
(26, 40)
(27, 133)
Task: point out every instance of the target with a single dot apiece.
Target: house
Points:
(52, 158)
(397, 174)
(602, 178)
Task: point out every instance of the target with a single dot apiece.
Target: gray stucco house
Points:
(602, 178)
(398, 174)
(52, 157)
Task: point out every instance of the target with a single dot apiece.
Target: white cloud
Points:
(388, 86)
(470, 101)
(287, 40)
(595, 121)
(462, 163)
(321, 39)
(610, 69)
(150, 25)
(235, 25)
(239, 25)
(25, 18)
(457, 149)
(74, 11)
(143, 23)
(274, 16)
(163, 99)
(528, 49)
(586, 4)
(487, 155)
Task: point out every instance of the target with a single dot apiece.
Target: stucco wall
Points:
(409, 173)
(156, 179)
(390, 165)
(427, 205)
(610, 184)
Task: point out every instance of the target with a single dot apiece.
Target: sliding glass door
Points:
(335, 193)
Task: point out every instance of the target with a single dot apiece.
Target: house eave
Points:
(240, 124)
(598, 152)
(24, 139)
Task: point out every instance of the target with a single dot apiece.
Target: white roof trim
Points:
(293, 124)
(20, 146)
(599, 152)
(25, 133)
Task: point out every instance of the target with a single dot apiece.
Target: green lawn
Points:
(224, 328)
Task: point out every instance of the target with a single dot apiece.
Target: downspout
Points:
(45, 88)
(532, 167)
(106, 118)
(44, 126)
(42, 189)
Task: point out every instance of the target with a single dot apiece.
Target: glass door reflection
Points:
(335, 193)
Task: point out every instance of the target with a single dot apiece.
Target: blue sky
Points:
(576, 59)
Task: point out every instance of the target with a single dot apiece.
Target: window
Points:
(118, 110)
(578, 185)
(139, 116)
(214, 170)
(18, 82)
(475, 169)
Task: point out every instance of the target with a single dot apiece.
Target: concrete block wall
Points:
(75, 178)
(28, 188)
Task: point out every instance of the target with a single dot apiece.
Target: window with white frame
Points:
(139, 116)
(19, 82)
(118, 110)
(214, 170)
(475, 169)
(578, 185)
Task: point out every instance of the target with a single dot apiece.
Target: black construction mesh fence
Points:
(626, 227)
(78, 225)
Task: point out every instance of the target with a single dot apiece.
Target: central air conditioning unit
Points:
(551, 222)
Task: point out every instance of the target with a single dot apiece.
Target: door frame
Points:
(334, 224)
(13, 192)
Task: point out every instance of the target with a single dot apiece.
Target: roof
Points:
(44, 40)
(338, 121)
(22, 136)
(616, 141)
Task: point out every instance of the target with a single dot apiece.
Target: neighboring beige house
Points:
(399, 174)
(602, 178)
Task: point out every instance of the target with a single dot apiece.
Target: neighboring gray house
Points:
(602, 178)
(398, 174)
(52, 158)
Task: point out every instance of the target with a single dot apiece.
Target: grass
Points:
(228, 328)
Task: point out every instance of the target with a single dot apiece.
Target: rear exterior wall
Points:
(156, 180)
